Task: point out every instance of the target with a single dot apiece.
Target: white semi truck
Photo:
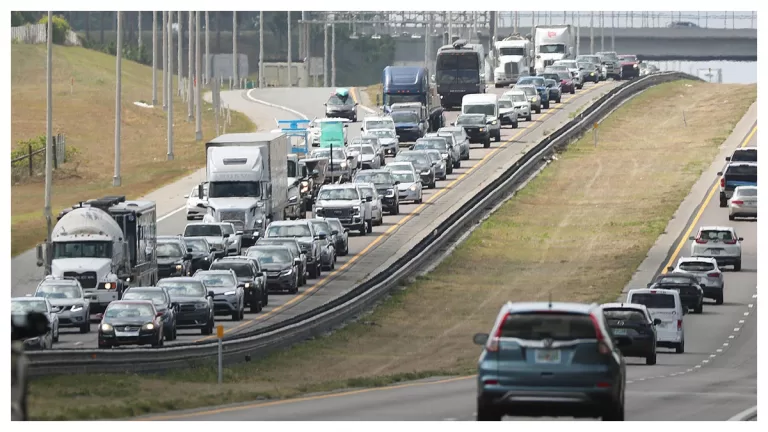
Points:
(106, 244)
(247, 176)
(552, 43)
(513, 58)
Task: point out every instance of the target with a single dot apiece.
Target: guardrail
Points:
(330, 315)
(749, 414)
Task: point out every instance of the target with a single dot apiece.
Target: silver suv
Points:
(345, 202)
(720, 243)
(708, 272)
(610, 60)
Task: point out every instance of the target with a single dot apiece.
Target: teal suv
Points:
(550, 360)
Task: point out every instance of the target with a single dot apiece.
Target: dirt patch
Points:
(370, 94)
(85, 114)
(578, 231)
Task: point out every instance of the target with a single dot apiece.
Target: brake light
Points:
(700, 240)
(731, 241)
(722, 182)
(602, 348)
(739, 202)
(603, 385)
(679, 325)
(493, 341)
(490, 382)
(713, 274)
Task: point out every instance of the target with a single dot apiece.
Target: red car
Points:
(630, 66)
(566, 82)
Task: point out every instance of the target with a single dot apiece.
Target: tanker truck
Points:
(106, 244)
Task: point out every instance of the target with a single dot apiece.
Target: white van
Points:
(377, 122)
(485, 103)
(665, 305)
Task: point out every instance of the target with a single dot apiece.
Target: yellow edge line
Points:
(703, 207)
(319, 284)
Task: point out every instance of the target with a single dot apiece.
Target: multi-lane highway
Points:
(715, 378)
(372, 252)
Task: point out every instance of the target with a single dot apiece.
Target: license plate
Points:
(620, 332)
(547, 356)
(715, 251)
(337, 212)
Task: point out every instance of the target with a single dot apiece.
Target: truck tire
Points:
(546, 105)
(364, 229)
(487, 143)
(723, 201)
(86, 327)
(538, 110)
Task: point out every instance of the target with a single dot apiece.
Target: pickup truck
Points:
(736, 174)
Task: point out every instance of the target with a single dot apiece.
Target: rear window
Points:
(654, 301)
(745, 156)
(548, 326)
(241, 269)
(673, 280)
(697, 266)
(746, 192)
(624, 315)
(741, 170)
(716, 235)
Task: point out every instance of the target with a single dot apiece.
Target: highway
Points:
(715, 378)
(370, 253)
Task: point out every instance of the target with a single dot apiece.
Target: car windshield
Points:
(555, 326)
(505, 103)
(183, 289)
(321, 227)
(337, 154)
(628, 58)
(297, 230)
(426, 144)
(465, 120)
(673, 280)
(367, 150)
(374, 178)
(243, 270)
(529, 91)
(336, 100)
(216, 280)
(550, 76)
(343, 194)
(413, 157)
(169, 250)
(128, 310)
(194, 191)
(586, 65)
(290, 244)
(400, 166)
(435, 156)
(608, 55)
(696, 266)
(405, 117)
(716, 235)
(744, 155)
(563, 76)
(550, 83)
(383, 133)
(197, 245)
(271, 256)
(202, 231)
(745, 192)
(335, 224)
(156, 297)
(227, 229)
(537, 81)
(58, 291)
(374, 141)
(24, 306)
(654, 301)
(516, 97)
(618, 314)
(566, 63)
(404, 177)
(487, 109)
(588, 59)
(379, 124)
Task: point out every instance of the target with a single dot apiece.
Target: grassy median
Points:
(84, 110)
(578, 232)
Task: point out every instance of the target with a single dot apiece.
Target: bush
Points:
(38, 161)
(60, 28)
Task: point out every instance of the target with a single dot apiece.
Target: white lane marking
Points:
(697, 366)
(167, 215)
(741, 321)
(719, 350)
(754, 295)
(750, 305)
(713, 355)
(735, 329)
(731, 337)
(269, 104)
(630, 382)
(450, 419)
(746, 313)
(726, 344)
(703, 361)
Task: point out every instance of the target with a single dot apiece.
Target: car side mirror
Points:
(238, 233)
(649, 284)
(368, 199)
(334, 232)
(453, 123)
(202, 205)
(259, 274)
(741, 239)
(346, 230)
(720, 173)
(434, 163)
(397, 182)
(213, 249)
(226, 235)
(480, 338)
(361, 129)
(691, 238)
(210, 294)
(322, 236)
(159, 314)
(727, 158)
(39, 253)
(188, 256)
(656, 321)
(356, 104)
(325, 104)
(350, 157)
(670, 268)
(297, 261)
(186, 196)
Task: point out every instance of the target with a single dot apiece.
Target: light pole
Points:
(290, 54)
(190, 68)
(165, 59)
(116, 180)
(261, 50)
(325, 53)
(154, 58)
(169, 88)
(333, 53)
(235, 63)
(180, 51)
(198, 82)
(207, 51)
(49, 130)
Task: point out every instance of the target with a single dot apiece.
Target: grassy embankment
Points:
(578, 232)
(87, 117)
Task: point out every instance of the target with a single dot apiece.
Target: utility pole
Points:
(116, 180)
(48, 133)
(450, 27)
(325, 53)
(190, 67)
(165, 60)
(207, 51)
(262, 81)
(333, 52)
(290, 72)
(140, 41)
(235, 62)
(613, 32)
(169, 88)
(154, 58)
(198, 81)
(602, 31)
(592, 32)
(180, 53)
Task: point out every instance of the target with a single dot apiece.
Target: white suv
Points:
(718, 242)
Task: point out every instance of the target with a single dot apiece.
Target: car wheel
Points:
(719, 299)
(498, 136)
(615, 412)
(86, 327)
(515, 125)
(731, 217)
(294, 289)
(208, 329)
(56, 335)
(546, 105)
(680, 348)
(723, 202)
(487, 414)
(558, 100)
(651, 359)
(737, 266)
(528, 117)
(419, 201)
(457, 164)
(265, 300)
(433, 184)
(700, 308)
(255, 306)
(236, 315)
(175, 332)
(396, 211)
(449, 168)
(538, 110)
(487, 143)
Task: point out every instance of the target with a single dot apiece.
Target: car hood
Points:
(276, 266)
(117, 322)
(367, 157)
(188, 300)
(168, 260)
(506, 110)
(338, 203)
(388, 141)
(339, 108)
(214, 240)
(220, 290)
(65, 302)
(522, 104)
(406, 125)
(405, 186)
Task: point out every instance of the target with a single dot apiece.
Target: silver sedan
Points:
(743, 203)
(409, 188)
(441, 170)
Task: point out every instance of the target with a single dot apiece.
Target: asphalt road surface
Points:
(715, 378)
(367, 253)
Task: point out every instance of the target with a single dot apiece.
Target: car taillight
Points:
(493, 341)
(490, 382)
(722, 182)
(738, 202)
(602, 348)
(679, 325)
(713, 274)
(731, 241)
(700, 240)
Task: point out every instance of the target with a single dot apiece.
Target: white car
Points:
(367, 155)
(718, 242)
(369, 190)
(709, 274)
(665, 305)
(521, 102)
(409, 188)
(377, 122)
(193, 210)
(743, 202)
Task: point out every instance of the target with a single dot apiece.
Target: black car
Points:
(280, 265)
(689, 286)
(173, 260)
(386, 186)
(162, 300)
(341, 105)
(131, 322)
(633, 322)
(342, 236)
(195, 303)
(476, 128)
(294, 246)
(423, 164)
(202, 253)
(249, 277)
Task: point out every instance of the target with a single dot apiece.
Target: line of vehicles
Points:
(568, 359)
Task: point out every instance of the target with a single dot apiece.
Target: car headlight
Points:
(413, 188)
(482, 129)
(109, 285)
(201, 305)
(106, 327)
(426, 172)
(304, 187)
(286, 272)
(178, 266)
(493, 122)
(356, 210)
(318, 209)
(533, 99)
(444, 155)
(77, 308)
(343, 165)
(229, 293)
(635, 66)
(390, 192)
(148, 326)
(247, 285)
(591, 74)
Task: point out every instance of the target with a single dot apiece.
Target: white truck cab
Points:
(665, 305)
(513, 56)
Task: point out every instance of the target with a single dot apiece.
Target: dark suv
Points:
(688, 285)
(550, 359)
(173, 257)
(386, 186)
(249, 277)
(476, 128)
